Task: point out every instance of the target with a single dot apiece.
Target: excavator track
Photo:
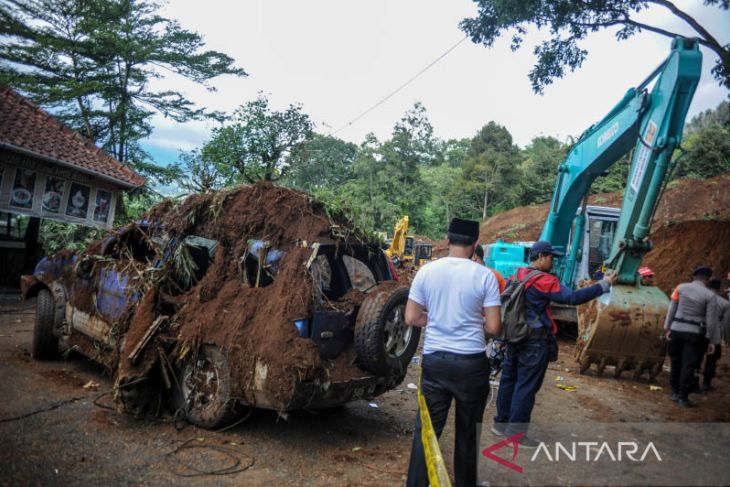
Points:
(624, 330)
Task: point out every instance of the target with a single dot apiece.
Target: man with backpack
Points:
(529, 334)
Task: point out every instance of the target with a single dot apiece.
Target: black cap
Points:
(464, 228)
(702, 270)
(544, 247)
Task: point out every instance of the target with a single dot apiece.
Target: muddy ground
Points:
(54, 434)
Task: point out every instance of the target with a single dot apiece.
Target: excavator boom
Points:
(624, 328)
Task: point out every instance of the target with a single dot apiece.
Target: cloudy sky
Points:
(340, 57)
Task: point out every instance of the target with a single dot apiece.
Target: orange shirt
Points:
(500, 279)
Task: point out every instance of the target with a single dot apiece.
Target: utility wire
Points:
(412, 79)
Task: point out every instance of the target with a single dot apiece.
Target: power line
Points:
(412, 79)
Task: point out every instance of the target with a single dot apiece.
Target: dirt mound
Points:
(255, 324)
(280, 215)
(685, 200)
(252, 324)
(680, 248)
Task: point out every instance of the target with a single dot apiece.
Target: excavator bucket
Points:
(623, 329)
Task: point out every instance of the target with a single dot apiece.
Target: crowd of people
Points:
(460, 301)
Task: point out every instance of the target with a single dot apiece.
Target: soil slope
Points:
(691, 227)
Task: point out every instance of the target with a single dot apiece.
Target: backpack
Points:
(514, 326)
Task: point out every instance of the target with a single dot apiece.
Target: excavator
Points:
(623, 328)
(404, 248)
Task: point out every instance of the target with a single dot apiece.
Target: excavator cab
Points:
(422, 254)
(408, 249)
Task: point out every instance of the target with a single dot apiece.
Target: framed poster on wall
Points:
(78, 201)
(21, 194)
(53, 195)
(102, 205)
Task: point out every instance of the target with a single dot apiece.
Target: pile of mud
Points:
(256, 323)
(253, 325)
(690, 228)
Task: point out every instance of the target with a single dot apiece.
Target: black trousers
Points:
(711, 364)
(465, 379)
(685, 352)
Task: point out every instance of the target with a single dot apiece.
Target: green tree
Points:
(540, 169)
(716, 117)
(491, 175)
(615, 179)
(92, 63)
(707, 142)
(453, 152)
(198, 174)
(368, 196)
(444, 191)
(258, 143)
(322, 162)
(570, 22)
(708, 153)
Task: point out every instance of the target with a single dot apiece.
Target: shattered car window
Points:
(361, 277)
(132, 242)
(192, 258)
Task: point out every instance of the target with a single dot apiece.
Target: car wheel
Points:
(204, 389)
(383, 342)
(45, 343)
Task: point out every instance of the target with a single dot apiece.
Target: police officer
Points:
(457, 300)
(691, 318)
(723, 312)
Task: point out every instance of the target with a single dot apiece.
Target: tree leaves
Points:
(91, 61)
(570, 22)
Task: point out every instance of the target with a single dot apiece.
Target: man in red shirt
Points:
(525, 363)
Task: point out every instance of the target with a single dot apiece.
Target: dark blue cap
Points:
(544, 247)
(702, 270)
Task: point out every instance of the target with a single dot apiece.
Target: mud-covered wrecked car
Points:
(252, 296)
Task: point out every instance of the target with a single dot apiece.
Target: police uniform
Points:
(691, 318)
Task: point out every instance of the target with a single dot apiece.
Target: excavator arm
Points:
(624, 329)
(651, 124)
(660, 135)
(397, 246)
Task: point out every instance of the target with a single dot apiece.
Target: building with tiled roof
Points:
(49, 171)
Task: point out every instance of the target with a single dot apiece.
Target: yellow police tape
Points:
(437, 475)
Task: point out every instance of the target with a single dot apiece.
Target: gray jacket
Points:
(693, 309)
(723, 317)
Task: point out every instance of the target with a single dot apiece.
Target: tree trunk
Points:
(486, 201)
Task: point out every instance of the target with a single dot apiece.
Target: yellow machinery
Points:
(403, 248)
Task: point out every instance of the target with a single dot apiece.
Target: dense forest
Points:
(414, 172)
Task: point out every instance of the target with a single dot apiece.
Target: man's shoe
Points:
(498, 429)
(675, 396)
(687, 403)
(707, 388)
(527, 442)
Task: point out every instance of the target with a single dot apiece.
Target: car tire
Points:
(204, 389)
(45, 343)
(384, 344)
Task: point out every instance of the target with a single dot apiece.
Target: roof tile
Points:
(24, 124)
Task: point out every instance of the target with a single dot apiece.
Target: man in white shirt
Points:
(457, 300)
